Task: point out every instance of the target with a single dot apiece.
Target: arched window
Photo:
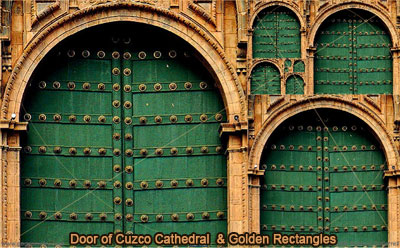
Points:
(295, 85)
(276, 34)
(353, 55)
(265, 79)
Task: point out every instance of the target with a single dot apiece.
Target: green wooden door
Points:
(325, 176)
(276, 34)
(265, 79)
(123, 136)
(353, 55)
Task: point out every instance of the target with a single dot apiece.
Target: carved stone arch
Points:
(380, 13)
(212, 55)
(281, 113)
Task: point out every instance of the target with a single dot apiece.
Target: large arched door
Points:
(123, 137)
(353, 55)
(324, 173)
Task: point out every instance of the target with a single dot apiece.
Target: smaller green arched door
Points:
(324, 174)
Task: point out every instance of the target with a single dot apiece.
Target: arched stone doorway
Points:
(324, 173)
(123, 132)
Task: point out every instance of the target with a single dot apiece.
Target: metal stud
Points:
(159, 152)
(220, 182)
(172, 54)
(102, 151)
(116, 87)
(72, 183)
(220, 215)
(159, 217)
(127, 55)
(118, 216)
(204, 149)
(87, 151)
(27, 182)
(188, 85)
(27, 149)
(143, 152)
(87, 184)
(203, 85)
(174, 217)
(174, 151)
(42, 117)
(42, 215)
(86, 86)
(129, 217)
(157, 87)
(57, 183)
(204, 182)
(174, 183)
(116, 71)
(115, 55)
(190, 216)
(189, 182)
(129, 185)
(42, 149)
(57, 216)
(87, 118)
(56, 85)
(117, 200)
(101, 54)
(159, 184)
(189, 150)
(142, 55)
(144, 185)
(28, 214)
(42, 84)
(205, 216)
(129, 202)
(117, 152)
(117, 168)
(203, 118)
(218, 117)
(128, 121)
(71, 53)
(102, 184)
(116, 119)
(157, 54)
(172, 86)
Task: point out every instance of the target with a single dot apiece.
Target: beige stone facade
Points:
(221, 32)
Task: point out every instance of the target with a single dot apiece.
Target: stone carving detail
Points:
(40, 9)
(201, 11)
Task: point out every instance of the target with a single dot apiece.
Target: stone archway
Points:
(208, 48)
(210, 52)
(281, 113)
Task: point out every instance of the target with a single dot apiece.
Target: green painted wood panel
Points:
(325, 176)
(276, 34)
(265, 79)
(353, 55)
(295, 85)
(153, 109)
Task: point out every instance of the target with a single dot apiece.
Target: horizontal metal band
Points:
(177, 151)
(88, 86)
(349, 229)
(53, 150)
(41, 215)
(314, 208)
(110, 184)
(61, 118)
(178, 119)
(330, 169)
(332, 188)
(107, 119)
